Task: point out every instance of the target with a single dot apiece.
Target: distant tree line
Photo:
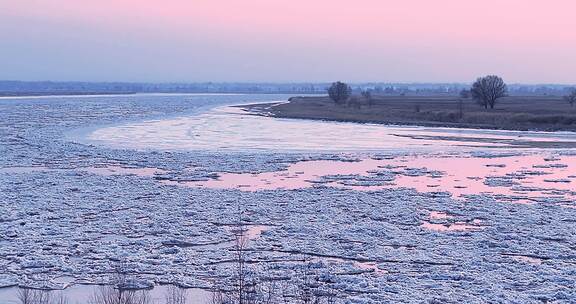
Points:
(486, 91)
(8, 88)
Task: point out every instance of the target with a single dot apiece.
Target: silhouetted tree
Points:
(38, 296)
(114, 295)
(175, 295)
(464, 94)
(121, 292)
(339, 92)
(571, 97)
(367, 94)
(487, 90)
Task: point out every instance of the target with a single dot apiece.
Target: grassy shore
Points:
(511, 113)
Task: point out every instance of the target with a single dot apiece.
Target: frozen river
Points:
(160, 185)
(232, 129)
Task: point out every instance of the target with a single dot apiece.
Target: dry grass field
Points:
(514, 113)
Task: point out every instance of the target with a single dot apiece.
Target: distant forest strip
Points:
(28, 88)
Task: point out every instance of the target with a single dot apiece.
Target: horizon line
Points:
(279, 82)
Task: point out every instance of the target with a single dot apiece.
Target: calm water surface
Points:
(231, 129)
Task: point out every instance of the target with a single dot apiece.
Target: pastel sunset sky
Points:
(525, 41)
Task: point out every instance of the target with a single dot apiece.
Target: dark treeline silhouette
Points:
(485, 91)
(15, 88)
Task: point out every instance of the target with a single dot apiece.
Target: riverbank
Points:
(511, 113)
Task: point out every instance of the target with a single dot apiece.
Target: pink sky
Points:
(281, 40)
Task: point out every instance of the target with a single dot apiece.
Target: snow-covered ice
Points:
(63, 218)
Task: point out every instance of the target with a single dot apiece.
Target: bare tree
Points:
(27, 295)
(246, 286)
(310, 290)
(238, 292)
(571, 97)
(43, 297)
(367, 94)
(305, 286)
(241, 242)
(121, 292)
(114, 295)
(60, 299)
(339, 92)
(487, 90)
(417, 108)
(39, 296)
(464, 94)
(251, 286)
(175, 295)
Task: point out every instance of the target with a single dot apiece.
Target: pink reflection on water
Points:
(365, 267)
(455, 227)
(370, 267)
(466, 175)
(435, 215)
(520, 179)
(527, 259)
(253, 232)
(249, 232)
(474, 225)
(299, 175)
